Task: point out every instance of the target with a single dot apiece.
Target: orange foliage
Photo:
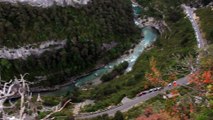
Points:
(155, 76)
(191, 108)
(174, 92)
(200, 78)
(183, 109)
(194, 78)
(157, 116)
(148, 111)
(207, 77)
(174, 110)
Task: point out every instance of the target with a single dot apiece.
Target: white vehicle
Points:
(170, 84)
(154, 89)
(158, 88)
(151, 90)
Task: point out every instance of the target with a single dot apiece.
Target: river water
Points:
(136, 9)
(150, 35)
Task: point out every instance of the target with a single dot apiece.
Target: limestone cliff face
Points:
(160, 25)
(48, 3)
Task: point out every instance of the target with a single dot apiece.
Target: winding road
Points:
(131, 103)
(190, 14)
(137, 100)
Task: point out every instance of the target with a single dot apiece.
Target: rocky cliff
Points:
(48, 3)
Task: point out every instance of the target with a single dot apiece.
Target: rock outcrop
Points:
(48, 3)
(160, 25)
(32, 49)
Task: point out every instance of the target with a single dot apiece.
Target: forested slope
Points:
(206, 17)
(99, 21)
(86, 30)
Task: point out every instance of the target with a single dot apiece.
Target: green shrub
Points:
(117, 70)
(51, 101)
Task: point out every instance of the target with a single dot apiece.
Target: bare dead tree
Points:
(19, 87)
(13, 88)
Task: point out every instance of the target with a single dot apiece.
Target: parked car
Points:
(175, 83)
(169, 85)
(159, 88)
(151, 90)
(142, 93)
(155, 89)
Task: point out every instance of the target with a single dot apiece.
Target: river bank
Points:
(72, 80)
(150, 36)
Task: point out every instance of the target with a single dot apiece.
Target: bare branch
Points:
(57, 110)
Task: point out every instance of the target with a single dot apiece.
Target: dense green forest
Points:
(86, 30)
(99, 21)
(206, 18)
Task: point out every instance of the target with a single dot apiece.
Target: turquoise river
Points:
(150, 35)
